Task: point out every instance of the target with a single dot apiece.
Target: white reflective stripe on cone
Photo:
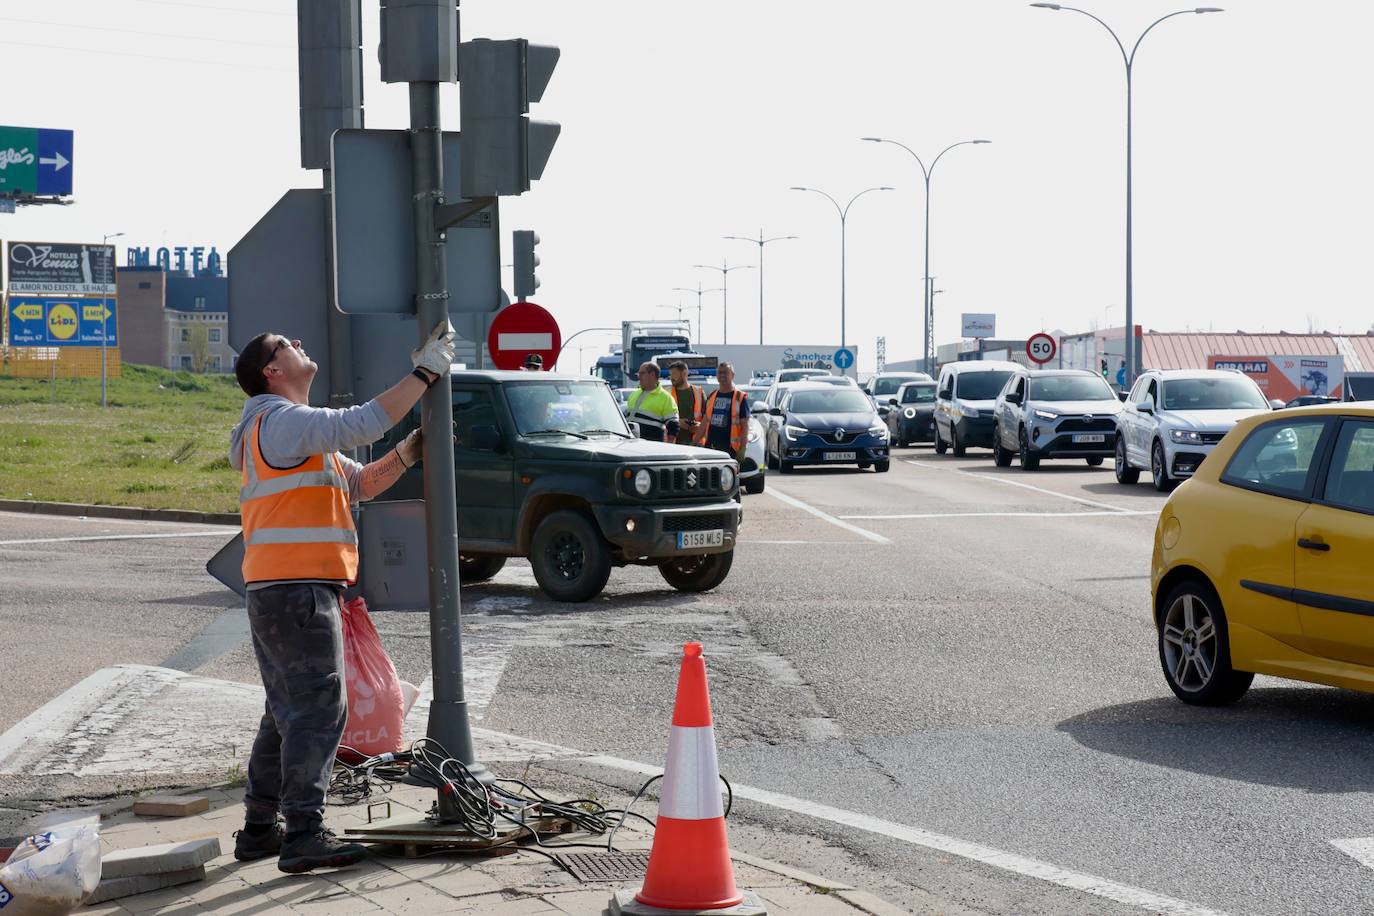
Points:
(303, 536)
(691, 780)
(258, 489)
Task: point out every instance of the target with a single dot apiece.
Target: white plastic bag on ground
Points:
(50, 874)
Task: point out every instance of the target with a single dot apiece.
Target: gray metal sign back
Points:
(374, 230)
(277, 284)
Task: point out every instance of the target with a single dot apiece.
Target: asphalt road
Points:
(948, 646)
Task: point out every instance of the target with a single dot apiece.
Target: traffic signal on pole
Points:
(419, 41)
(526, 260)
(329, 45)
(503, 148)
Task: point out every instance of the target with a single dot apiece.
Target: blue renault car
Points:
(826, 424)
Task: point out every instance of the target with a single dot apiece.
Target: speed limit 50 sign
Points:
(1041, 348)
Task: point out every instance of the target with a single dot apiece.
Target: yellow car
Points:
(1264, 560)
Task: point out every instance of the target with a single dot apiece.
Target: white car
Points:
(1174, 418)
(751, 472)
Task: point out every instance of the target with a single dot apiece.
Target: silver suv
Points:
(1173, 419)
(1054, 413)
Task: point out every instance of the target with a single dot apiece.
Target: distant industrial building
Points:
(174, 314)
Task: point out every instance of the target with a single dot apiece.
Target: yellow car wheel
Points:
(1194, 648)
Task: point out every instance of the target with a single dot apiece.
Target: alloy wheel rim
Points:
(1189, 640)
(1157, 464)
(1120, 458)
(567, 556)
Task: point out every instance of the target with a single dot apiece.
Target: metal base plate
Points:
(623, 903)
(411, 833)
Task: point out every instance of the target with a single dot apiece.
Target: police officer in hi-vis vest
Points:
(300, 551)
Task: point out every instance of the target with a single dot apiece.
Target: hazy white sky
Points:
(684, 122)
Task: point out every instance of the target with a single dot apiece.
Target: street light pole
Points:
(724, 269)
(844, 216)
(1132, 356)
(928, 347)
(761, 241)
(105, 328)
(699, 292)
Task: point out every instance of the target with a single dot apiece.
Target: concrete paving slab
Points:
(159, 859)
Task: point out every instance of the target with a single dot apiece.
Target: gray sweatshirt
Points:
(293, 432)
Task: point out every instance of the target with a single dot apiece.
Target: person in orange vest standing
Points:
(727, 416)
(691, 403)
(300, 552)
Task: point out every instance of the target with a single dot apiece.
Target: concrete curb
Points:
(126, 512)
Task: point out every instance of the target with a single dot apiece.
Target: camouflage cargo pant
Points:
(298, 639)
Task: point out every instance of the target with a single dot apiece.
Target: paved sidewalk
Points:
(505, 883)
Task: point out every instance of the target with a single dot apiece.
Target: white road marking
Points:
(916, 836)
(997, 478)
(137, 719)
(793, 501)
(1084, 514)
(1361, 849)
(752, 541)
(121, 537)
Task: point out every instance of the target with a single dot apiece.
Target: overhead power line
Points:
(102, 28)
(180, 60)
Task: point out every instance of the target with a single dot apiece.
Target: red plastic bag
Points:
(376, 707)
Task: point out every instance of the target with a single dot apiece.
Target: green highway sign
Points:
(35, 160)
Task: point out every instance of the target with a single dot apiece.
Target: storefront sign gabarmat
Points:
(1287, 377)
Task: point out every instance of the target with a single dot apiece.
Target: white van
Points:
(964, 402)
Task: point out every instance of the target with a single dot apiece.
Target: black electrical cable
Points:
(357, 777)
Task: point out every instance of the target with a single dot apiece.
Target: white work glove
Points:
(435, 355)
(411, 448)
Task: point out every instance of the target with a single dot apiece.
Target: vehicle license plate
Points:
(841, 456)
(715, 538)
(1089, 437)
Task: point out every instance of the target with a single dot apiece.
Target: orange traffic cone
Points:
(689, 865)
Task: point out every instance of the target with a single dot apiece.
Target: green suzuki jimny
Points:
(548, 469)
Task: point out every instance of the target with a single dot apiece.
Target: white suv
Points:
(1173, 419)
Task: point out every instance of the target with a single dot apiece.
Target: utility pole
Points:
(105, 327)
(761, 241)
(700, 292)
(724, 269)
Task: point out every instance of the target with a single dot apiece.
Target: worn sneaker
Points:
(318, 850)
(249, 847)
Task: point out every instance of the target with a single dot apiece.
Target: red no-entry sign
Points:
(520, 329)
(1041, 348)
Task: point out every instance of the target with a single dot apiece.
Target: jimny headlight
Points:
(1185, 435)
(727, 478)
(909, 413)
(644, 482)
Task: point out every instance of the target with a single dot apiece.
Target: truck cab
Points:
(547, 469)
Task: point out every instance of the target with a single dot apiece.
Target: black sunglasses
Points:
(277, 349)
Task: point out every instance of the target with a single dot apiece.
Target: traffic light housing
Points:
(503, 148)
(419, 41)
(526, 260)
(330, 73)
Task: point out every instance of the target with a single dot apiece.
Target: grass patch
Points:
(160, 444)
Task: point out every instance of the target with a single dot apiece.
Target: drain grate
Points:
(605, 866)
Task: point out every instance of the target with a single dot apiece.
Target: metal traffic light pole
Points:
(448, 713)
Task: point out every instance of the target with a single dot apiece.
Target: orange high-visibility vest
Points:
(739, 426)
(297, 523)
(697, 401)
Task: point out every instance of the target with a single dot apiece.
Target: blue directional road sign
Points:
(35, 160)
(844, 358)
(1121, 377)
(41, 321)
